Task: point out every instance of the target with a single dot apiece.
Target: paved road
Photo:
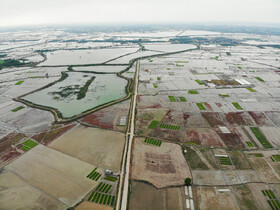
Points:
(124, 176)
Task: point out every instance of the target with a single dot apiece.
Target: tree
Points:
(188, 181)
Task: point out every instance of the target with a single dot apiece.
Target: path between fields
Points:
(124, 175)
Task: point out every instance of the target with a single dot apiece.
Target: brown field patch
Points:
(214, 118)
(59, 175)
(17, 194)
(239, 118)
(244, 197)
(85, 205)
(195, 120)
(209, 198)
(204, 137)
(260, 119)
(162, 166)
(102, 148)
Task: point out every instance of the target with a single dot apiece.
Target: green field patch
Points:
(250, 144)
(256, 154)
(261, 138)
(199, 82)
(200, 106)
(153, 124)
(224, 160)
(94, 175)
(193, 92)
(172, 98)
(170, 127)
(168, 68)
(155, 86)
(29, 144)
(237, 106)
(152, 141)
(1, 62)
(260, 79)
(158, 78)
(239, 67)
(251, 89)
(181, 61)
(91, 196)
(276, 158)
(111, 178)
(182, 99)
(179, 65)
(25, 148)
(34, 77)
(19, 82)
(224, 95)
(18, 108)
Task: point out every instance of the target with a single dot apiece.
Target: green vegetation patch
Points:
(194, 160)
(152, 141)
(200, 106)
(171, 127)
(199, 82)
(94, 175)
(153, 124)
(224, 160)
(158, 78)
(250, 144)
(168, 69)
(181, 61)
(239, 67)
(29, 143)
(276, 158)
(261, 138)
(18, 108)
(111, 178)
(260, 79)
(25, 148)
(155, 86)
(237, 106)
(1, 62)
(256, 154)
(19, 82)
(182, 99)
(224, 95)
(251, 89)
(272, 200)
(84, 89)
(193, 92)
(179, 65)
(172, 98)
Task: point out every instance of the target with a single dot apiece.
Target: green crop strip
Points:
(172, 98)
(153, 124)
(193, 92)
(171, 127)
(153, 141)
(237, 106)
(224, 160)
(19, 82)
(251, 89)
(249, 144)
(261, 138)
(182, 99)
(199, 82)
(224, 95)
(200, 106)
(260, 79)
(155, 86)
(18, 108)
(28, 144)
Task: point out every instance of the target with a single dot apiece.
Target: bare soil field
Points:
(209, 198)
(239, 118)
(99, 147)
(85, 205)
(202, 177)
(261, 119)
(59, 175)
(195, 120)
(161, 166)
(214, 118)
(146, 196)
(204, 137)
(259, 198)
(239, 160)
(108, 118)
(247, 176)
(244, 197)
(274, 117)
(262, 167)
(13, 189)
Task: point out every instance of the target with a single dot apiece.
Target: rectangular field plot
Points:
(153, 124)
(111, 178)
(275, 158)
(199, 82)
(237, 106)
(155, 86)
(224, 160)
(182, 99)
(193, 92)
(272, 200)
(18, 108)
(251, 89)
(28, 144)
(102, 198)
(260, 79)
(171, 127)
(19, 82)
(261, 138)
(103, 187)
(250, 144)
(200, 106)
(172, 98)
(224, 95)
(153, 141)
(94, 175)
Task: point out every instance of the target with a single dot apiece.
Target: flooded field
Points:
(63, 95)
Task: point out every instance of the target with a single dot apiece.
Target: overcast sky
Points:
(30, 12)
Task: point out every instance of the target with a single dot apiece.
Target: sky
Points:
(36, 12)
